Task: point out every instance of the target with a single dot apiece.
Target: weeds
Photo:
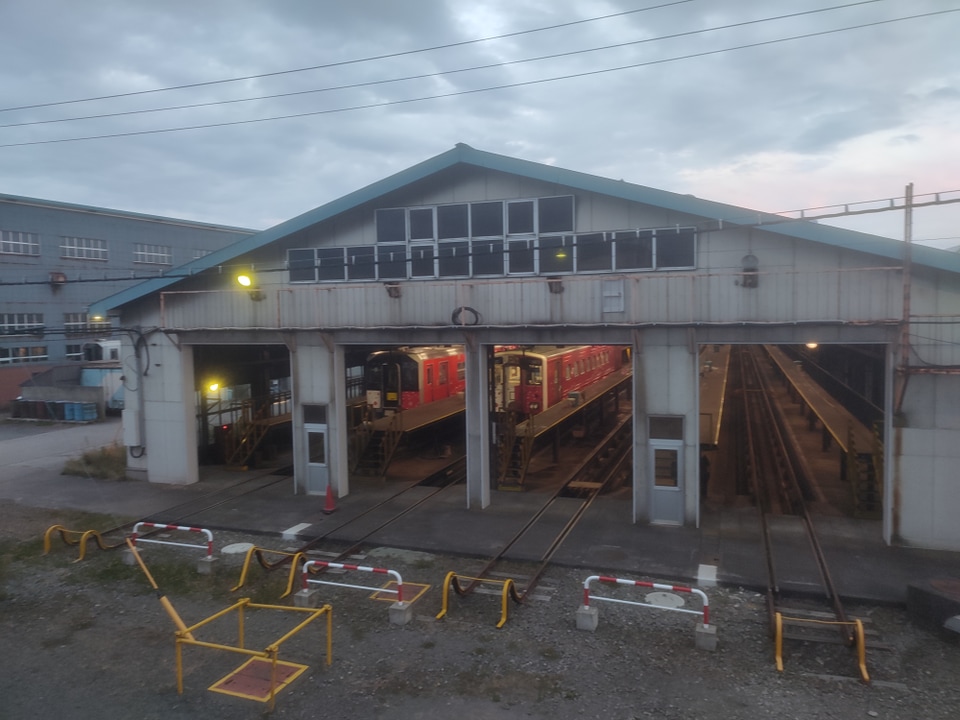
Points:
(107, 463)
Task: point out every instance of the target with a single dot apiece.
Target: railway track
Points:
(548, 527)
(777, 482)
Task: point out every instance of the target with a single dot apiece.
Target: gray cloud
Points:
(654, 124)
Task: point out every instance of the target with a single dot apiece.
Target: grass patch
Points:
(106, 463)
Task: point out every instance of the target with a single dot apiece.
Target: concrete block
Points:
(401, 613)
(931, 602)
(587, 618)
(128, 558)
(705, 637)
(307, 599)
(206, 564)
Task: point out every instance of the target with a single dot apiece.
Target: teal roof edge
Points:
(464, 154)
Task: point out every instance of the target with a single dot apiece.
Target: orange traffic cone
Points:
(329, 504)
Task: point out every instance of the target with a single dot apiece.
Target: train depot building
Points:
(484, 255)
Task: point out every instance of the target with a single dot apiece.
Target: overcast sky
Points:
(679, 104)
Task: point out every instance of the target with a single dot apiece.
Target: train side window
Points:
(443, 373)
(461, 371)
(429, 369)
(535, 374)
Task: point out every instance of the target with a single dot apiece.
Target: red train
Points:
(530, 381)
(409, 377)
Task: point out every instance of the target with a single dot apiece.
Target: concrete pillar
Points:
(401, 613)
(477, 426)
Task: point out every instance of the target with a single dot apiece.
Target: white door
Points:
(666, 482)
(318, 471)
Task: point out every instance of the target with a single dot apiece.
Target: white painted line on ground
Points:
(291, 533)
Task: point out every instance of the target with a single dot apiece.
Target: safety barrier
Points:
(453, 580)
(306, 579)
(858, 635)
(705, 635)
(77, 537)
(258, 552)
(277, 673)
(134, 536)
(705, 613)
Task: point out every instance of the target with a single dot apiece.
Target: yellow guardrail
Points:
(258, 552)
(77, 537)
(858, 635)
(453, 580)
(185, 634)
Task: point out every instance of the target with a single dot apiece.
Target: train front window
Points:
(534, 374)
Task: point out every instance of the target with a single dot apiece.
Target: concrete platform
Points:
(262, 502)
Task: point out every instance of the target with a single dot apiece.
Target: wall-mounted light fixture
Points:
(393, 289)
(812, 346)
(249, 281)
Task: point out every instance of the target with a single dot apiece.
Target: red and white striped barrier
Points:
(160, 526)
(705, 613)
(362, 568)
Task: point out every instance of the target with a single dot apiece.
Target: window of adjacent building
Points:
(486, 219)
(79, 323)
(391, 225)
(676, 248)
(488, 257)
(633, 250)
(331, 264)
(421, 261)
(13, 355)
(199, 253)
(362, 263)
(453, 222)
(391, 262)
(153, 254)
(521, 257)
(421, 224)
(21, 323)
(555, 214)
(520, 217)
(14, 242)
(556, 254)
(315, 414)
(594, 252)
(453, 259)
(302, 265)
(84, 248)
(74, 353)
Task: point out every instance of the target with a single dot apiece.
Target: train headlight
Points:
(534, 406)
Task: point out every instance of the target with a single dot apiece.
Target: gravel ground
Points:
(90, 640)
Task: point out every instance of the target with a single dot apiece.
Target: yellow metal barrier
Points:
(858, 633)
(185, 635)
(453, 580)
(258, 552)
(77, 537)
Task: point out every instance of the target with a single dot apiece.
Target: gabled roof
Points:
(463, 154)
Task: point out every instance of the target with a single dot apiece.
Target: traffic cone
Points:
(329, 504)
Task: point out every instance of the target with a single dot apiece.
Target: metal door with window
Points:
(666, 472)
(318, 471)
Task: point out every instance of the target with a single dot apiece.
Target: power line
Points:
(501, 64)
(355, 61)
(491, 88)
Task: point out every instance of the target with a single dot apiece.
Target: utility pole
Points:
(904, 349)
